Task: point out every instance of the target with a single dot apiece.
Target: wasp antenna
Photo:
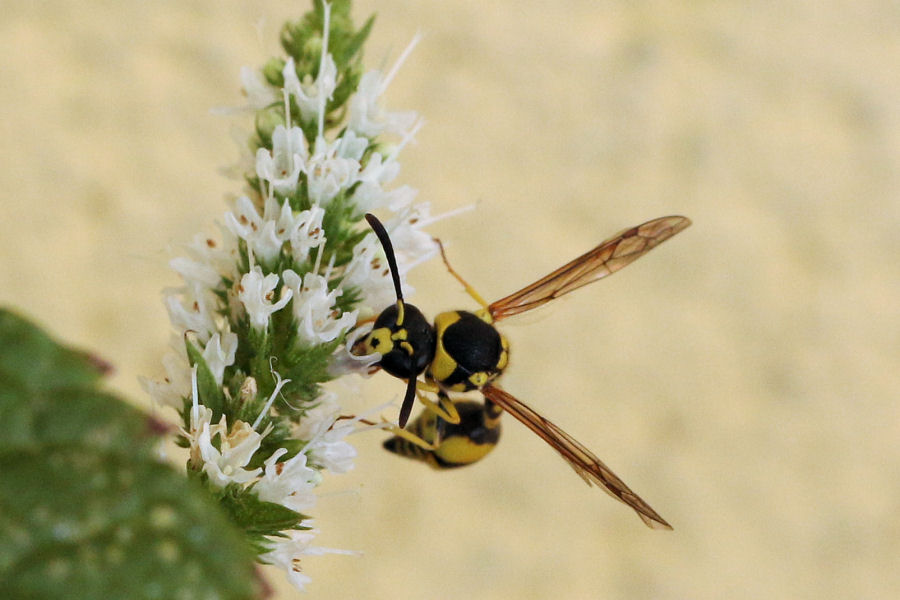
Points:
(382, 234)
(408, 401)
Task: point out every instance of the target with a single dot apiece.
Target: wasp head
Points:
(406, 341)
(401, 333)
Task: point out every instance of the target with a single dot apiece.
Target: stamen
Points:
(326, 29)
(319, 252)
(195, 398)
(400, 60)
(279, 383)
(406, 139)
(329, 268)
(446, 215)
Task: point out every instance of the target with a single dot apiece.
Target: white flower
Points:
(411, 244)
(259, 93)
(282, 166)
(265, 234)
(307, 233)
(328, 173)
(326, 445)
(245, 222)
(378, 170)
(317, 318)
(219, 352)
(286, 553)
(351, 145)
(289, 483)
(369, 196)
(331, 451)
(226, 464)
(192, 309)
(256, 293)
(221, 256)
(197, 274)
(400, 198)
(344, 362)
(368, 270)
(200, 417)
(308, 93)
(368, 118)
(176, 385)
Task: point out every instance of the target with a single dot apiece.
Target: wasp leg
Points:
(444, 408)
(427, 386)
(469, 289)
(412, 438)
(409, 436)
(349, 417)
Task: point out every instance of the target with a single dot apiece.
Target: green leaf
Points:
(86, 509)
(30, 359)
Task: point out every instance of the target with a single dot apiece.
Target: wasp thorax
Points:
(407, 346)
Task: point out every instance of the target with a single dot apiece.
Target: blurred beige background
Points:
(743, 378)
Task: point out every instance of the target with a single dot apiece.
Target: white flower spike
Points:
(293, 240)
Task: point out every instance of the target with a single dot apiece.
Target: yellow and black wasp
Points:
(463, 351)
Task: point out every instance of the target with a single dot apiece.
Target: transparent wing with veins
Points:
(615, 253)
(582, 460)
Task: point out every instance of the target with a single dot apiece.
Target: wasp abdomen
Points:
(458, 444)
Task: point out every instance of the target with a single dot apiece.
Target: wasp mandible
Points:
(464, 351)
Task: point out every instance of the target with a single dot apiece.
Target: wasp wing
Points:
(607, 258)
(582, 460)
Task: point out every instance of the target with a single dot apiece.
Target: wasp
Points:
(463, 351)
